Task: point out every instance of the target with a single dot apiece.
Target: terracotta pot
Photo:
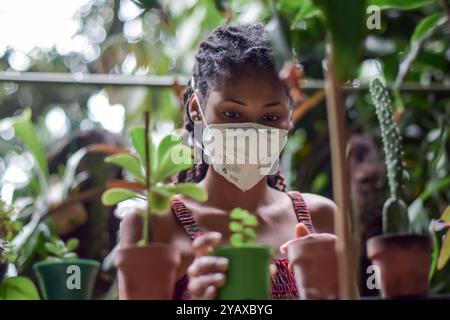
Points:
(404, 262)
(314, 263)
(147, 273)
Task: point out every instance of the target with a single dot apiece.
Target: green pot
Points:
(248, 275)
(71, 279)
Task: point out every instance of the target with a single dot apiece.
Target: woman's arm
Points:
(322, 211)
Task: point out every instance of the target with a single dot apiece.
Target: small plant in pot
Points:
(248, 275)
(403, 258)
(8, 228)
(147, 270)
(63, 276)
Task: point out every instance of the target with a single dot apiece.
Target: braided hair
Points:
(225, 50)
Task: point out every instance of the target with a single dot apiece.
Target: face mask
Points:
(242, 153)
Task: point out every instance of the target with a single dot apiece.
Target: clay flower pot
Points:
(404, 262)
(314, 263)
(69, 279)
(147, 273)
(248, 275)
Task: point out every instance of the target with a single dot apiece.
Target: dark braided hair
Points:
(225, 50)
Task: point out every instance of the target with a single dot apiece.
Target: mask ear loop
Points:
(197, 143)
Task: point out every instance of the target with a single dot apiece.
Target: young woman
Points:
(235, 82)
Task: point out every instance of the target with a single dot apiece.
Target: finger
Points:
(210, 293)
(198, 285)
(300, 231)
(206, 265)
(203, 244)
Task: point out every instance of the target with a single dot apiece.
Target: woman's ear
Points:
(193, 109)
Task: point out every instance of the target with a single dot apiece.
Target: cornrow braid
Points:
(225, 50)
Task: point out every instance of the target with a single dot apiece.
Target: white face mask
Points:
(243, 153)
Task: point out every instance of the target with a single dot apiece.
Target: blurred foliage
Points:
(119, 37)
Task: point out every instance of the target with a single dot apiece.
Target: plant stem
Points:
(146, 223)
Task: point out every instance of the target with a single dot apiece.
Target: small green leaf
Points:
(70, 255)
(238, 214)
(178, 158)
(427, 26)
(165, 145)
(188, 189)
(72, 244)
(444, 255)
(24, 128)
(53, 249)
(18, 288)
(250, 233)
(159, 203)
(236, 226)
(128, 162)
(401, 4)
(137, 135)
(113, 196)
(250, 220)
(237, 239)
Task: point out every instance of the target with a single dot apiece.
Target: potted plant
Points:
(403, 258)
(8, 228)
(147, 270)
(314, 262)
(63, 276)
(248, 275)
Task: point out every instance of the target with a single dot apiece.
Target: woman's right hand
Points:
(206, 273)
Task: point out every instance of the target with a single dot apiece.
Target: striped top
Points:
(283, 281)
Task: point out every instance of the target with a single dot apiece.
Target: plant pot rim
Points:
(75, 261)
(378, 244)
(246, 247)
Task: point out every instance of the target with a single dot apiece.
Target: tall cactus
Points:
(395, 212)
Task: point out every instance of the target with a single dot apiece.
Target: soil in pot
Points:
(147, 273)
(71, 279)
(404, 262)
(314, 263)
(248, 276)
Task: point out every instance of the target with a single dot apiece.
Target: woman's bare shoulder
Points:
(322, 211)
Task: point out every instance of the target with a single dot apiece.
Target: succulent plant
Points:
(242, 227)
(395, 212)
(59, 250)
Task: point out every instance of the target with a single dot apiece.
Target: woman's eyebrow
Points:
(269, 104)
(235, 101)
(272, 104)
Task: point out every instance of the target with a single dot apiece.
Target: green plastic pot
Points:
(59, 280)
(248, 275)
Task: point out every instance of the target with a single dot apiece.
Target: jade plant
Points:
(59, 250)
(395, 211)
(8, 229)
(242, 226)
(150, 166)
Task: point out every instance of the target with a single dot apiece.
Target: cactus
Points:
(395, 212)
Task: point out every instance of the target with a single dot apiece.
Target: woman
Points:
(235, 83)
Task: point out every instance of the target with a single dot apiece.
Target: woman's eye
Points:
(271, 117)
(231, 114)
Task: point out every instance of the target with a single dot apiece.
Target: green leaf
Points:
(53, 249)
(250, 233)
(72, 244)
(113, 196)
(446, 215)
(188, 189)
(307, 10)
(401, 4)
(426, 27)
(18, 288)
(236, 226)
(346, 25)
(237, 239)
(70, 255)
(444, 256)
(24, 128)
(238, 214)
(137, 135)
(128, 162)
(165, 145)
(250, 221)
(159, 202)
(178, 158)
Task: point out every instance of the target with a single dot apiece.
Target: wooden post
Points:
(341, 186)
